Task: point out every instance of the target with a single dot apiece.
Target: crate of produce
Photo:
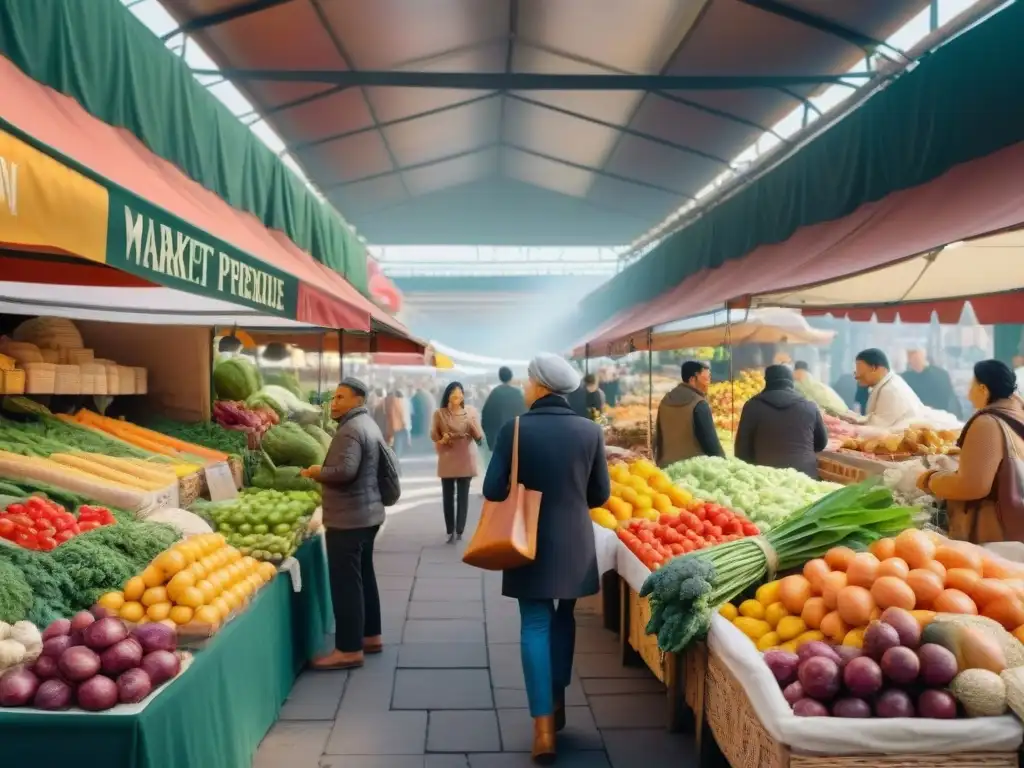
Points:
(12, 381)
(835, 471)
(67, 380)
(189, 488)
(94, 378)
(644, 644)
(237, 470)
(110, 372)
(40, 378)
(20, 351)
(141, 381)
(125, 380)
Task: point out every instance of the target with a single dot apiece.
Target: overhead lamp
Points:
(275, 351)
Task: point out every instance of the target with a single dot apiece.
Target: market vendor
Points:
(983, 506)
(931, 383)
(892, 404)
(817, 391)
(685, 426)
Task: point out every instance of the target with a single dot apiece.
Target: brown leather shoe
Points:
(544, 751)
(373, 645)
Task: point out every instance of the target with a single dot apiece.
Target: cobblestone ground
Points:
(448, 690)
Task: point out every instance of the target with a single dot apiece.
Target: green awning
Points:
(960, 103)
(99, 54)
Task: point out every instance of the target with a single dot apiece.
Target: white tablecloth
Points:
(606, 544)
(629, 566)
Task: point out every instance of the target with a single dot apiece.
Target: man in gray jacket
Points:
(353, 513)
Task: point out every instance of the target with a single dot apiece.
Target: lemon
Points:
(112, 601)
(728, 610)
(769, 641)
(774, 613)
(132, 611)
(158, 611)
(152, 576)
(208, 615)
(768, 593)
(791, 627)
(752, 609)
(180, 614)
(809, 636)
(154, 595)
(755, 629)
(191, 597)
(133, 588)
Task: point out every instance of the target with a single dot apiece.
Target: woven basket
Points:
(834, 471)
(189, 488)
(21, 351)
(237, 471)
(12, 382)
(50, 333)
(40, 378)
(67, 380)
(125, 380)
(644, 644)
(141, 381)
(746, 744)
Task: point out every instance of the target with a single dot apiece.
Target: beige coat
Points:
(459, 457)
(972, 490)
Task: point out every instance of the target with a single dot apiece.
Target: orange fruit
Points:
(191, 597)
(132, 611)
(208, 590)
(158, 611)
(208, 615)
(179, 583)
(154, 595)
(222, 607)
(152, 576)
(181, 614)
(170, 562)
(112, 601)
(915, 547)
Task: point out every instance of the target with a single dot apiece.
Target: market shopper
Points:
(983, 492)
(455, 430)
(353, 513)
(685, 426)
(503, 404)
(931, 383)
(561, 456)
(892, 404)
(780, 427)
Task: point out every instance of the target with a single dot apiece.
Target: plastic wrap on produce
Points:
(629, 566)
(606, 543)
(839, 736)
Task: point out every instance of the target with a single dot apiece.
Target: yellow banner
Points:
(44, 205)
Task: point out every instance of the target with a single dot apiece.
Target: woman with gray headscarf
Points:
(562, 456)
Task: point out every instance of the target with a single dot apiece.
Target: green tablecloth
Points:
(217, 712)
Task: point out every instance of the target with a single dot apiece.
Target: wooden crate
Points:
(189, 488)
(745, 743)
(834, 471)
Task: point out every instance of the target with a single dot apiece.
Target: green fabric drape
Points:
(962, 102)
(98, 53)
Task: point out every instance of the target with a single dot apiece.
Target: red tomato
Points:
(88, 525)
(45, 531)
(47, 544)
(700, 513)
(64, 536)
(22, 521)
(25, 540)
(749, 529)
(16, 509)
(6, 528)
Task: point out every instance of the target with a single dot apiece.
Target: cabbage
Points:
(321, 436)
(285, 404)
(235, 379)
(289, 445)
(281, 478)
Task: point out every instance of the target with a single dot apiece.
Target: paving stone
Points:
(602, 686)
(444, 630)
(442, 554)
(395, 583)
(315, 696)
(442, 689)
(469, 731)
(506, 666)
(447, 571)
(394, 601)
(388, 733)
(580, 731)
(367, 693)
(297, 744)
(510, 698)
(395, 565)
(460, 609)
(446, 589)
(442, 655)
(446, 761)
(523, 760)
(605, 665)
(596, 641)
(392, 630)
(628, 711)
(649, 748)
(503, 629)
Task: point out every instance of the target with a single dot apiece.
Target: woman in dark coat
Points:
(562, 456)
(780, 427)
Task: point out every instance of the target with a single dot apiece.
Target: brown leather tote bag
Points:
(506, 536)
(1010, 484)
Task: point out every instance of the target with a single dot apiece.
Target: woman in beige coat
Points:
(456, 431)
(977, 511)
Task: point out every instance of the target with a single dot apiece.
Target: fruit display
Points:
(200, 580)
(687, 589)
(641, 490)
(765, 494)
(727, 398)
(914, 441)
(93, 663)
(20, 643)
(701, 525)
(266, 524)
(41, 524)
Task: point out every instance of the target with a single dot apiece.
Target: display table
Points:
(217, 712)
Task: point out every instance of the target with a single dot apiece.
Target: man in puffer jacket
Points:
(781, 428)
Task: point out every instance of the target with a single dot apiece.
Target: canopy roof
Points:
(513, 151)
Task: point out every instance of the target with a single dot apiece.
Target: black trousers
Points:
(353, 586)
(455, 496)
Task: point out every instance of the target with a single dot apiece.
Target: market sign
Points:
(150, 243)
(45, 204)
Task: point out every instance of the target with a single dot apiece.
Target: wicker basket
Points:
(12, 382)
(834, 471)
(746, 744)
(40, 378)
(67, 380)
(141, 381)
(644, 644)
(21, 351)
(189, 488)
(125, 380)
(237, 471)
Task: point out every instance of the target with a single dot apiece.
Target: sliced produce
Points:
(149, 439)
(266, 524)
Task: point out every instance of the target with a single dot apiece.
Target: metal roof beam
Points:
(851, 36)
(396, 121)
(625, 129)
(222, 17)
(510, 49)
(528, 81)
(598, 171)
(414, 166)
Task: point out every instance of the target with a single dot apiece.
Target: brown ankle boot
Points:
(544, 752)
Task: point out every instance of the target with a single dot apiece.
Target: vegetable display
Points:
(290, 445)
(687, 588)
(727, 398)
(94, 663)
(149, 439)
(639, 490)
(208, 434)
(236, 378)
(20, 643)
(265, 524)
(286, 404)
(42, 524)
(266, 475)
(765, 494)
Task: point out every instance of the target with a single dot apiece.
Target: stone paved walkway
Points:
(448, 690)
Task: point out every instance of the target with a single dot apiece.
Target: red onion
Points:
(17, 687)
(161, 666)
(78, 663)
(121, 657)
(103, 633)
(133, 686)
(97, 694)
(53, 695)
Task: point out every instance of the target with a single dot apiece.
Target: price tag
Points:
(220, 481)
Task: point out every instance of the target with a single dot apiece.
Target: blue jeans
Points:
(548, 637)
